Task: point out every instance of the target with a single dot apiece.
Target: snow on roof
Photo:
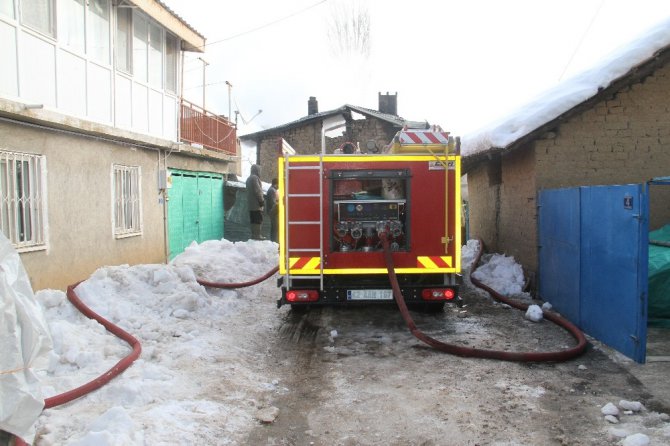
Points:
(563, 97)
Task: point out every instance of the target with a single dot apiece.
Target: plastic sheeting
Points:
(659, 278)
(24, 342)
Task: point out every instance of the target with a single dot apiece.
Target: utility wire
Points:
(265, 25)
(581, 41)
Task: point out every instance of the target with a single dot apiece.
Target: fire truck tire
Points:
(426, 307)
(299, 309)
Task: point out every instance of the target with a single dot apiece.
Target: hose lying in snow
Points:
(561, 355)
(106, 377)
(239, 285)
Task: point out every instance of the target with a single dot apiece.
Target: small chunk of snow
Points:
(582, 367)
(267, 415)
(635, 406)
(547, 306)
(534, 313)
(636, 440)
(612, 419)
(610, 409)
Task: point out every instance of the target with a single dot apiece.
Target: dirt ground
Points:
(356, 376)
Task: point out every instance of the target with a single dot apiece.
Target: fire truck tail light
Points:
(302, 295)
(438, 294)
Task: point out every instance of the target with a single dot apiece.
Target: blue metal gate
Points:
(593, 261)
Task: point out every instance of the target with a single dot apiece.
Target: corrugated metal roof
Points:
(178, 17)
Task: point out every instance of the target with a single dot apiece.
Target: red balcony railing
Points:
(199, 126)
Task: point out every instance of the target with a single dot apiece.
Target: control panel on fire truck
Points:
(366, 203)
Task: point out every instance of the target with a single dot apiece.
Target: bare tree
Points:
(349, 29)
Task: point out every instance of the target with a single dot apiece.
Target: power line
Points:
(265, 25)
(581, 41)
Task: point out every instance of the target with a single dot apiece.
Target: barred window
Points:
(22, 195)
(127, 199)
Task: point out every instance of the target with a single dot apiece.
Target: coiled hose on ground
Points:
(562, 355)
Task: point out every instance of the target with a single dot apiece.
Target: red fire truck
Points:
(335, 207)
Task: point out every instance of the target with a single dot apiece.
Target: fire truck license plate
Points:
(369, 294)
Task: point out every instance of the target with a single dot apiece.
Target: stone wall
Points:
(306, 140)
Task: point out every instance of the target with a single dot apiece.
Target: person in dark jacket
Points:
(272, 209)
(256, 201)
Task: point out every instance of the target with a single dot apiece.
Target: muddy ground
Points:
(356, 376)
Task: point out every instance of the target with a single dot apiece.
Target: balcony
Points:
(198, 126)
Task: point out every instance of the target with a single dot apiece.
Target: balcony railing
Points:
(198, 126)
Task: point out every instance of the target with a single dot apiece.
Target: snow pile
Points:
(568, 94)
(203, 375)
(501, 273)
(198, 375)
(468, 253)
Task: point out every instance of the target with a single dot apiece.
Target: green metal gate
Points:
(195, 209)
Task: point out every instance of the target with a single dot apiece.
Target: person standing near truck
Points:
(271, 202)
(255, 201)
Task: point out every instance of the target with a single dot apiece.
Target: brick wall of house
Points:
(518, 214)
(620, 140)
(484, 195)
(624, 139)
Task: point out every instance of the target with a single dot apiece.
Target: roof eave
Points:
(191, 39)
(635, 74)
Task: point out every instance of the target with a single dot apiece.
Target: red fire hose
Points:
(124, 363)
(106, 377)
(561, 355)
(239, 285)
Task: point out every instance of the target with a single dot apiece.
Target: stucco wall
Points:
(79, 203)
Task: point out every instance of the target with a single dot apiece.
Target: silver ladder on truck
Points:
(309, 199)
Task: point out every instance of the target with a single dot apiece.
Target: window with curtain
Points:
(127, 199)
(171, 55)
(22, 199)
(155, 55)
(140, 47)
(39, 15)
(71, 26)
(7, 8)
(98, 30)
(124, 40)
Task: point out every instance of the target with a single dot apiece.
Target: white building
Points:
(92, 126)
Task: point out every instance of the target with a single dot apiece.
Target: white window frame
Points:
(51, 19)
(126, 200)
(23, 211)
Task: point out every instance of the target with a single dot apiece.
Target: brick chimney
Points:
(312, 106)
(388, 103)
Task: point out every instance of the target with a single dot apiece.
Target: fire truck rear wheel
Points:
(299, 309)
(427, 307)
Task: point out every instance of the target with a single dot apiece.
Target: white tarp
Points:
(24, 342)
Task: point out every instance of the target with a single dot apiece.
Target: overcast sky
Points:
(459, 64)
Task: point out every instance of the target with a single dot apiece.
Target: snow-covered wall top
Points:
(563, 97)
